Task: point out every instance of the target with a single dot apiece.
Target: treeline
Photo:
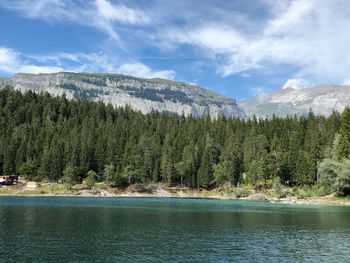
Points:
(45, 137)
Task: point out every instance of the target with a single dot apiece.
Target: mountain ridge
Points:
(142, 94)
(157, 94)
(322, 100)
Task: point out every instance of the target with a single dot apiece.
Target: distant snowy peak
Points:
(289, 101)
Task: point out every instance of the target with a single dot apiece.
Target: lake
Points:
(81, 229)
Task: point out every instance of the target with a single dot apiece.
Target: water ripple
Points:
(169, 230)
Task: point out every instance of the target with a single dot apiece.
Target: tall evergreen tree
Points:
(344, 141)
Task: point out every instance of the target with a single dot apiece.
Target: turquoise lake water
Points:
(69, 229)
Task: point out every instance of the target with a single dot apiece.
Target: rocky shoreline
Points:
(159, 191)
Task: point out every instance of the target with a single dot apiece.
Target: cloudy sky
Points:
(236, 48)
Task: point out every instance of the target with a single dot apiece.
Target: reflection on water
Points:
(169, 230)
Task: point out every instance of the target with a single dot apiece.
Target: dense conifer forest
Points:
(51, 138)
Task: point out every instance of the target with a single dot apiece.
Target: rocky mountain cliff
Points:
(322, 100)
(145, 95)
(3, 81)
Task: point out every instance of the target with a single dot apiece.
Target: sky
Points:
(239, 49)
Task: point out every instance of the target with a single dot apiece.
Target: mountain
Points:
(141, 94)
(3, 81)
(321, 100)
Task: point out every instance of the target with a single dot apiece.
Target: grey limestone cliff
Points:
(145, 95)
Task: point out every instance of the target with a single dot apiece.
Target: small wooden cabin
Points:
(32, 185)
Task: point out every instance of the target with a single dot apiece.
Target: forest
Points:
(52, 138)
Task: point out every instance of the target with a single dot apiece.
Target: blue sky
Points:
(236, 48)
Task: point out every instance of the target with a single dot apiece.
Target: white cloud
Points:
(100, 62)
(143, 71)
(100, 14)
(217, 38)
(346, 82)
(296, 84)
(120, 13)
(297, 13)
(310, 36)
(245, 75)
(11, 62)
(8, 58)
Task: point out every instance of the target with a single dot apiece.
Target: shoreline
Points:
(161, 192)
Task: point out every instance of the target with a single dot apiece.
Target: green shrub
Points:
(241, 192)
(334, 176)
(302, 194)
(91, 179)
(278, 188)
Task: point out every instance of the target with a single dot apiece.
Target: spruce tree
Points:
(344, 141)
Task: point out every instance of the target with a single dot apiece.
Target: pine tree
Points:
(205, 171)
(168, 170)
(10, 159)
(344, 141)
(255, 172)
(70, 176)
(29, 169)
(56, 162)
(304, 169)
(187, 167)
(109, 174)
(230, 166)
